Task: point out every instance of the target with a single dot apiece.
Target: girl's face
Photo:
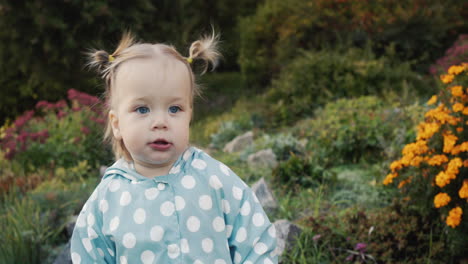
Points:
(151, 111)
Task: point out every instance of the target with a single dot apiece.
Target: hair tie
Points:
(189, 60)
(111, 58)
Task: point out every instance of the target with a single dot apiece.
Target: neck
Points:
(151, 170)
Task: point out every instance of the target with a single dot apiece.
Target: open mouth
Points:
(160, 144)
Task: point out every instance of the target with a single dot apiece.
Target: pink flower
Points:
(20, 121)
(85, 130)
(82, 98)
(61, 114)
(42, 104)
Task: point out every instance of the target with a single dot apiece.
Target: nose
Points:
(159, 121)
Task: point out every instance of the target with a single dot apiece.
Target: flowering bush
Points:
(435, 167)
(456, 54)
(57, 134)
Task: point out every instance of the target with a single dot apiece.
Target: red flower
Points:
(20, 121)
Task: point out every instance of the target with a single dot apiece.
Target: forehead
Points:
(149, 75)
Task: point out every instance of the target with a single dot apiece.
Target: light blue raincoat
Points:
(201, 212)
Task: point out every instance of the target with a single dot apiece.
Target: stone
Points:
(239, 143)
(264, 195)
(263, 158)
(64, 257)
(286, 235)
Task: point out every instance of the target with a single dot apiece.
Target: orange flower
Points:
(454, 218)
(427, 130)
(465, 111)
(404, 182)
(442, 179)
(447, 78)
(455, 69)
(464, 146)
(437, 160)
(459, 129)
(458, 107)
(433, 100)
(396, 165)
(457, 91)
(389, 178)
(441, 199)
(464, 190)
(449, 142)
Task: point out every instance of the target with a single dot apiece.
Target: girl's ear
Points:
(114, 121)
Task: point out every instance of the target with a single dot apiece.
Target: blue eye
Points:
(174, 109)
(142, 110)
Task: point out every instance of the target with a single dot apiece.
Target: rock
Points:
(239, 143)
(64, 257)
(286, 235)
(263, 158)
(264, 195)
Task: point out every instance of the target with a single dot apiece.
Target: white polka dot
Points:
(229, 230)
(272, 231)
(248, 262)
(147, 257)
(193, 224)
(220, 261)
(260, 248)
(215, 183)
(151, 193)
(101, 253)
(161, 186)
(241, 235)
(139, 216)
(224, 169)
(129, 240)
(237, 257)
(207, 245)
(267, 261)
(237, 193)
(167, 208)
(198, 262)
(76, 258)
(80, 222)
(258, 219)
(173, 251)
(123, 260)
(156, 233)
(103, 206)
(205, 202)
(90, 219)
(187, 154)
(125, 199)
(218, 224)
(175, 170)
(91, 233)
(179, 203)
(114, 223)
(184, 246)
(199, 164)
(87, 244)
(93, 196)
(245, 210)
(111, 252)
(226, 206)
(188, 182)
(114, 185)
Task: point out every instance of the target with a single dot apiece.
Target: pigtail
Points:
(103, 61)
(206, 49)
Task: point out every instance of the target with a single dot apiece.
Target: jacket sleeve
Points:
(253, 237)
(88, 244)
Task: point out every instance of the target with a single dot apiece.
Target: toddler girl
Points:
(164, 201)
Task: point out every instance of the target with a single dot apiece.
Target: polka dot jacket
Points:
(201, 212)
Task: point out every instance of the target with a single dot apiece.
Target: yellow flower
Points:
(447, 78)
(458, 107)
(437, 160)
(455, 69)
(454, 218)
(433, 100)
(464, 190)
(427, 130)
(449, 142)
(441, 199)
(457, 91)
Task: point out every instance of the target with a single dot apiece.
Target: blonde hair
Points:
(205, 50)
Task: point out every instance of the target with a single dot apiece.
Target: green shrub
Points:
(272, 36)
(282, 144)
(58, 134)
(315, 78)
(354, 130)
